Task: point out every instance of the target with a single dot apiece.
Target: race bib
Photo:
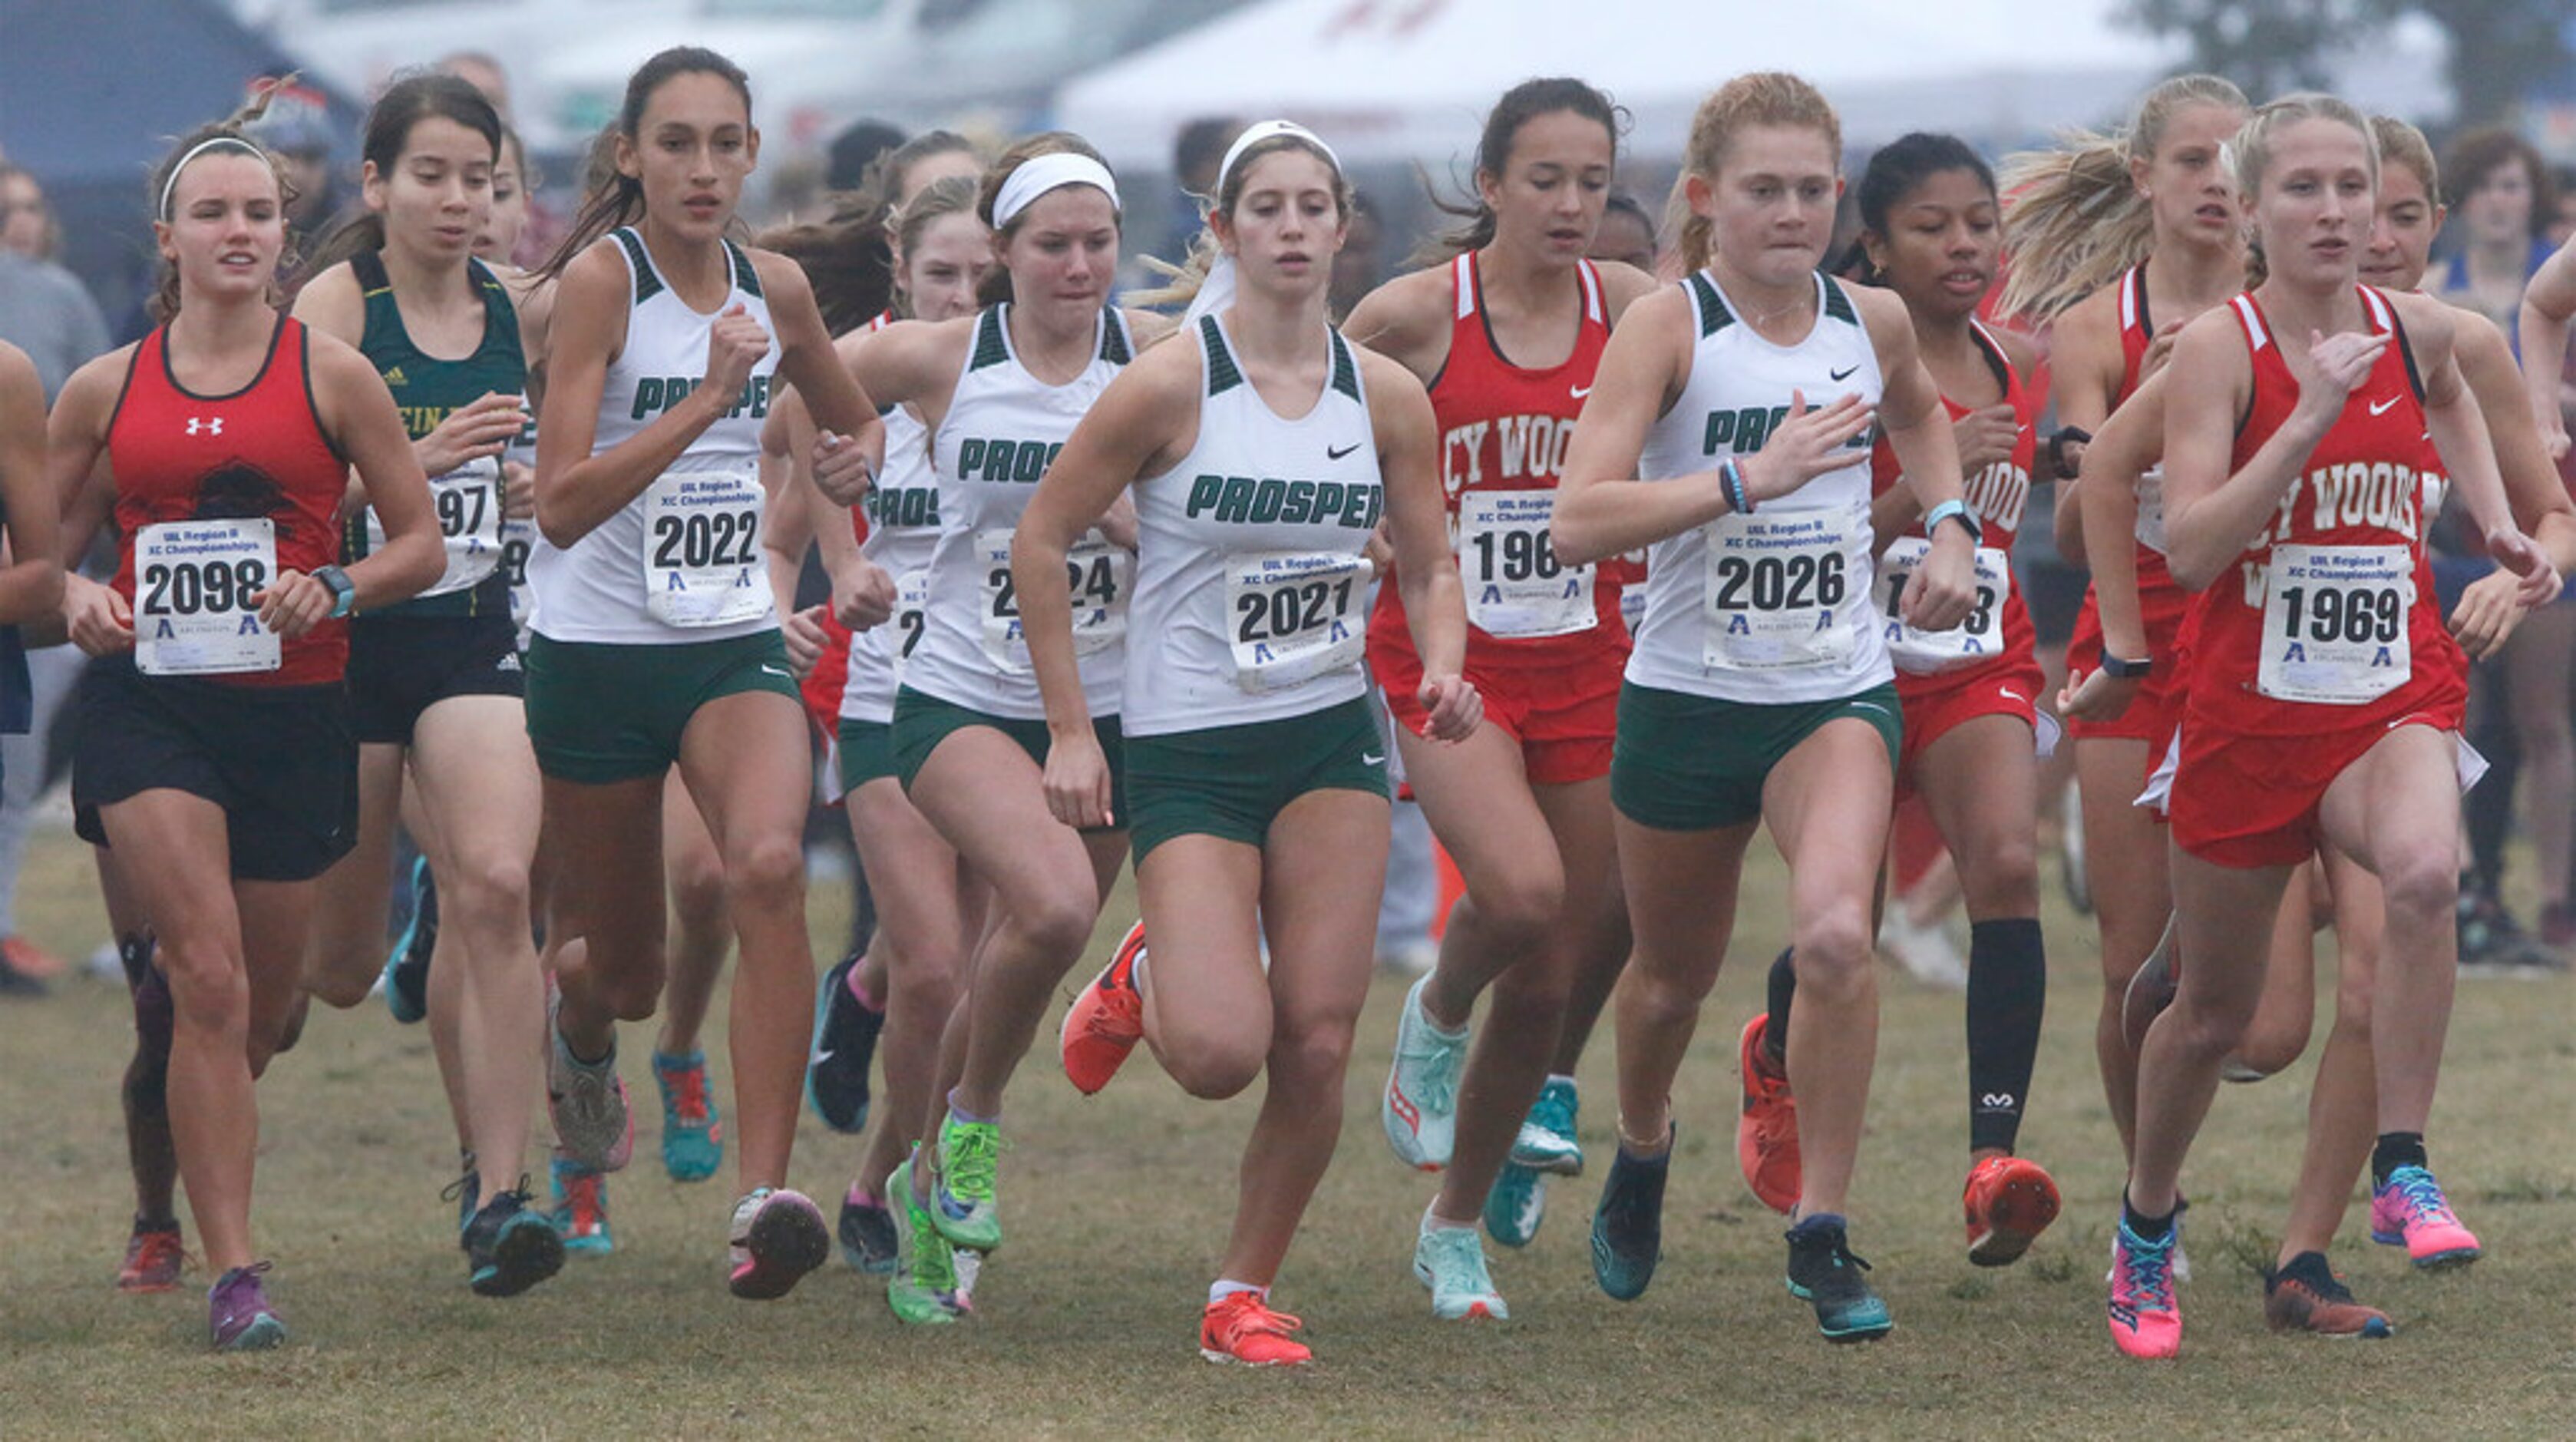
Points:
(1978, 638)
(911, 614)
(2151, 510)
(468, 501)
(2334, 624)
(702, 562)
(1775, 589)
(1295, 616)
(1516, 587)
(193, 583)
(1097, 574)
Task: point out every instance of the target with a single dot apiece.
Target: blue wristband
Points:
(1731, 480)
(1954, 510)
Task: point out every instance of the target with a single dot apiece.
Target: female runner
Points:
(1261, 454)
(436, 681)
(1506, 334)
(2326, 694)
(2123, 240)
(656, 640)
(1760, 688)
(998, 392)
(215, 751)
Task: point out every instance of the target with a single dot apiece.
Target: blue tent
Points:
(91, 94)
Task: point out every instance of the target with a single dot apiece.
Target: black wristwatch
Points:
(2057, 443)
(344, 592)
(2128, 670)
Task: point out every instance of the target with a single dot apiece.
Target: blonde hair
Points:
(2403, 144)
(2073, 217)
(2251, 150)
(1181, 282)
(1763, 97)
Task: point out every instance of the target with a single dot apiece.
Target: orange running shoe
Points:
(1766, 1134)
(153, 1259)
(1107, 1019)
(28, 959)
(1242, 1328)
(2009, 1201)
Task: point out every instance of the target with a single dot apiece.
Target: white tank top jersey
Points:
(1002, 429)
(1772, 607)
(681, 562)
(903, 529)
(1251, 596)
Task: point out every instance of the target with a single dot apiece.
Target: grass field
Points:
(1117, 1207)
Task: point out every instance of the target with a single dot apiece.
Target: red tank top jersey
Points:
(1506, 428)
(260, 451)
(2162, 605)
(1998, 495)
(822, 686)
(2360, 487)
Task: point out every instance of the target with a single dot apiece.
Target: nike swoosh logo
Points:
(2381, 408)
(1371, 758)
(2013, 694)
(1846, 371)
(1581, 391)
(1334, 453)
(1870, 705)
(774, 671)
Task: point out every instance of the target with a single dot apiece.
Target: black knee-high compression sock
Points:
(1783, 990)
(2007, 993)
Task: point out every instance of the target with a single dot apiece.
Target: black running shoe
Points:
(510, 1246)
(845, 1043)
(867, 1236)
(1823, 1271)
(1628, 1225)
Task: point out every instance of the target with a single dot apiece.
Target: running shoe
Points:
(581, 1208)
(778, 1236)
(1106, 1020)
(2306, 1296)
(2151, 990)
(465, 1191)
(154, 1258)
(923, 1288)
(1546, 1139)
(1451, 1262)
(1628, 1225)
(509, 1247)
(2409, 1211)
(2181, 1253)
(1824, 1274)
(845, 1046)
(1420, 1107)
(237, 1307)
(1766, 1133)
(586, 1100)
(866, 1231)
(1242, 1328)
(1516, 1205)
(28, 959)
(2146, 1321)
(962, 1203)
(692, 1132)
(2008, 1202)
(970, 1266)
(406, 977)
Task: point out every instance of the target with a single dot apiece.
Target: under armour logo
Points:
(201, 425)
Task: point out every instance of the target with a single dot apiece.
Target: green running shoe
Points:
(962, 1205)
(1546, 1139)
(1516, 1205)
(925, 1272)
(1451, 1262)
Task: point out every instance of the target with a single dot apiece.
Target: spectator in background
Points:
(484, 72)
(2562, 221)
(860, 144)
(1627, 233)
(2502, 200)
(1196, 153)
(297, 130)
(27, 223)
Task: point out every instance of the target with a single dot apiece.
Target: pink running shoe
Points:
(2410, 1212)
(2146, 1321)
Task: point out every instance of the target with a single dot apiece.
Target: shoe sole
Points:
(1479, 1310)
(2373, 1330)
(1603, 1256)
(1229, 1359)
(523, 1256)
(1555, 1164)
(786, 1242)
(1866, 1332)
(145, 1289)
(2022, 1210)
(264, 1332)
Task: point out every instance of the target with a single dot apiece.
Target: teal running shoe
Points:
(581, 1208)
(406, 975)
(1516, 1205)
(509, 1247)
(1546, 1141)
(1628, 1225)
(1419, 1107)
(923, 1288)
(1451, 1262)
(962, 1205)
(1823, 1272)
(692, 1133)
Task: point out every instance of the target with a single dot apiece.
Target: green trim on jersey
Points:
(1713, 314)
(992, 348)
(746, 276)
(648, 281)
(1346, 369)
(1113, 338)
(1837, 304)
(426, 389)
(1221, 372)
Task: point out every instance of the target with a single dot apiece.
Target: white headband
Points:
(1217, 287)
(1054, 170)
(220, 142)
(1270, 130)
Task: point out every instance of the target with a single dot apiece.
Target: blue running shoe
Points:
(1823, 1272)
(581, 1208)
(406, 975)
(509, 1247)
(1546, 1139)
(692, 1133)
(1628, 1225)
(1516, 1205)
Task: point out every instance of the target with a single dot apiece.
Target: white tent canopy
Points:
(1411, 79)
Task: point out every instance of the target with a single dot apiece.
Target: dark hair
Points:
(853, 154)
(2480, 153)
(418, 96)
(887, 173)
(846, 256)
(1893, 173)
(1520, 105)
(165, 293)
(996, 285)
(1201, 144)
(613, 197)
